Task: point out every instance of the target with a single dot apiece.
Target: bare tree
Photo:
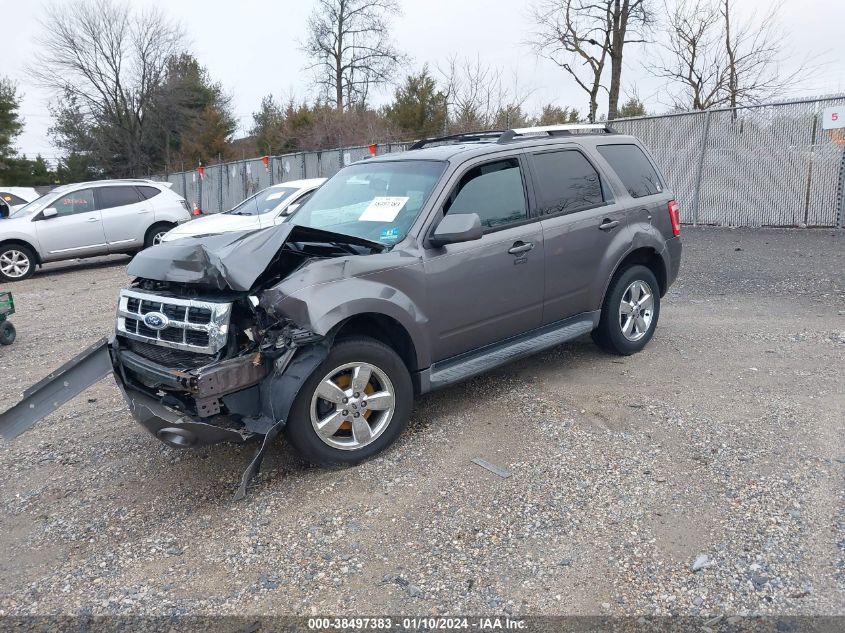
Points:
(693, 55)
(582, 36)
(628, 19)
(350, 47)
(108, 62)
(478, 96)
(719, 60)
(755, 55)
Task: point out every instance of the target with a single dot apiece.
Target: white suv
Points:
(85, 220)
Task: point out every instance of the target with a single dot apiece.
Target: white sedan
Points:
(16, 197)
(268, 207)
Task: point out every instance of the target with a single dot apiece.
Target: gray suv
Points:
(85, 220)
(402, 274)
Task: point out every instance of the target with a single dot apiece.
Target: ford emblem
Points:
(156, 320)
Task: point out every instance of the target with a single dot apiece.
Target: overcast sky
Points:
(252, 47)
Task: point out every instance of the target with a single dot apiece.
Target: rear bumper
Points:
(672, 257)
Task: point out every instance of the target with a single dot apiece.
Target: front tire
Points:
(353, 406)
(630, 312)
(17, 262)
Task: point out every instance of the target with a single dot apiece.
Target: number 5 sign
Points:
(833, 118)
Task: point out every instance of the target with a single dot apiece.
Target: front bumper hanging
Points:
(55, 389)
(275, 393)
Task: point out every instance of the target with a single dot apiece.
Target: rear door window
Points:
(565, 182)
(633, 168)
(74, 202)
(494, 191)
(111, 197)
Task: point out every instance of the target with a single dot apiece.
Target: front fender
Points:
(19, 236)
(322, 307)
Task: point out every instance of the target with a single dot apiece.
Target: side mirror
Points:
(49, 212)
(290, 209)
(4, 209)
(461, 227)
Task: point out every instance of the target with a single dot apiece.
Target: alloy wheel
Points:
(636, 310)
(352, 406)
(14, 263)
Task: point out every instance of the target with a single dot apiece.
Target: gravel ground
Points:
(701, 476)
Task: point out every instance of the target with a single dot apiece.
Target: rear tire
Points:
(355, 430)
(630, 312)
(155, 233)
(17, 262)
(8, 334)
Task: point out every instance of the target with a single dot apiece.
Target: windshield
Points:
(264, 201)
(375, 201)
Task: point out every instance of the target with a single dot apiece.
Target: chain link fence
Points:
(769, 165)
(222, 186)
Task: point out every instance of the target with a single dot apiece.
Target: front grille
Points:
(190, 325)
(173, 358)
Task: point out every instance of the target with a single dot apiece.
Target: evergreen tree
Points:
(419, 107)
(631, 108)
(10, 123)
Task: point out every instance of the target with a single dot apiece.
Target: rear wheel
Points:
(354, 405)
(17, 262)
(155, 233)
(7, 333)
(630, 312)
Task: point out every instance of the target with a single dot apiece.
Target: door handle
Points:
(520, 247)
(608, 224)
(93, 220)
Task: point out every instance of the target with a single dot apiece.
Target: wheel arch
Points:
(20, 242)
(383, 328)
(646, 256)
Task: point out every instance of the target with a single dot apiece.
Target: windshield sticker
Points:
(389, 235)
(275, 196)
(383, 209)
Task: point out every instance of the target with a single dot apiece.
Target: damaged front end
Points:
(196, 358)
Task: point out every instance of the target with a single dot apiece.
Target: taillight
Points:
(675, 217)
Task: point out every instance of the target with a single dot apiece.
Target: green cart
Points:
(7, 309)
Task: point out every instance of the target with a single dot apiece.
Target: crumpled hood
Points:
(232, 261)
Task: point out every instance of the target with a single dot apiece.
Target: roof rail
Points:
(491, 135)
(506, 136)
(556, 130)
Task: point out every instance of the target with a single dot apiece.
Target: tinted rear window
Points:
(148, 192)
(111, 197)
(566, 182)
(633, 168)
(11, 199)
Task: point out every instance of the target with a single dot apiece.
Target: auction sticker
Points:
(383, 209)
